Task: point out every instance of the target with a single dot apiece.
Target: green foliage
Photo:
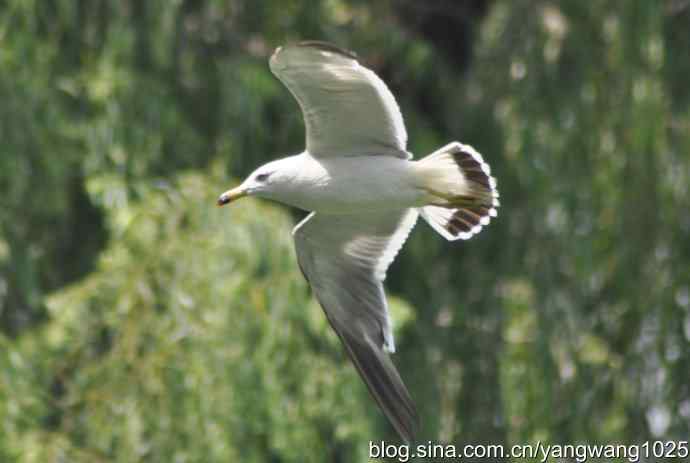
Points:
(587, 119)
(193, 337)
(141, 323)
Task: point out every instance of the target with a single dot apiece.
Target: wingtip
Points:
(318, 45)
(385, 385)
(327, 46)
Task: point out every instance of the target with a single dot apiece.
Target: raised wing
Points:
(345, 258)
(347, 109)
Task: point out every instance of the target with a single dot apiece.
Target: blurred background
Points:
(139, 322)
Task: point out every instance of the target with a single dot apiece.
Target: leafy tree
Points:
(140, 323)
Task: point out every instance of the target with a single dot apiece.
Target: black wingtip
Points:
(385, 385)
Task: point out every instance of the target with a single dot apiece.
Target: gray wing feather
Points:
(347, 109)
(345, 258)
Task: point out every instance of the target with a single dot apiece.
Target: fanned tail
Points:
(462, 193)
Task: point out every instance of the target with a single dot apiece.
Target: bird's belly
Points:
(354, 186)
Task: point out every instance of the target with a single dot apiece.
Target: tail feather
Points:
(462, 193)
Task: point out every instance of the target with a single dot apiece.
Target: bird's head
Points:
(267, 181)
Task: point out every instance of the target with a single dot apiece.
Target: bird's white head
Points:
(268, 181)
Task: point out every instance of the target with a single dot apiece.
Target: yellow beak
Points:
(230, 196)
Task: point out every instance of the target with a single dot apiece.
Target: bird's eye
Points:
(262, 177)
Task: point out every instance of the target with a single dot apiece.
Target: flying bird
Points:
(365, 193)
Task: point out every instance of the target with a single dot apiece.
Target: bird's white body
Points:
(347, 184)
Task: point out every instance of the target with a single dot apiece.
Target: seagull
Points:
(364, 193)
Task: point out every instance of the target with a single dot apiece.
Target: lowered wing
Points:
(345, 258)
